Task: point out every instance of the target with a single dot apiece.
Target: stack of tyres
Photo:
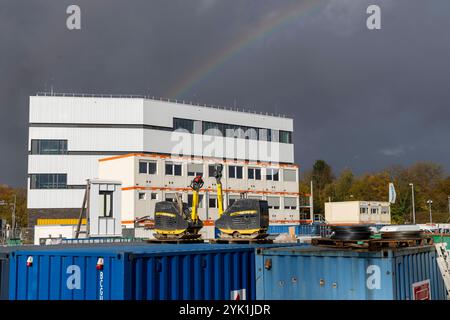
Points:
(361, 232)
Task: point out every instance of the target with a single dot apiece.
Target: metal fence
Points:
(18, 236)
(302, 229)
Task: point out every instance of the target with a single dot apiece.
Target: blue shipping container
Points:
(153, 272)
(316, 273)
(4, 275)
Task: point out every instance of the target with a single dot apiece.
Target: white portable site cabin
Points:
(358, 212)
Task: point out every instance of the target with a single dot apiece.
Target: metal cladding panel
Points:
(4, 275)
(313, 273)
(153, 114)
(54, 198)
(67, 275)
(85, 110)
(413, 268)
(93, 139)
(78, 168)
(134, 271)
(193, 276)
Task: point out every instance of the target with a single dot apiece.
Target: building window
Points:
(384, 210)
(105, 204)
(275, 135)
(213, 128)
(235, 172)
(290, 203)
(147, 167)
(273, 202)
(374, 210)
(255, 197)
(183, 125)
(265, 135)
(212, 203)
(48, 146)
(200, 200)
(230, 130)
(211, 171)
(154, 196)
(285, 136)
(289, 175)
(173, 169)
(48, 181)
(251, 133)
(272, 174)
(232, 199)
(142, 196)
(169, 196)
(195, 169)
(363, 210)
(254, 173)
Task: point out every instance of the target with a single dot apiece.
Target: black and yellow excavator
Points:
(245, 218)
(176, 220)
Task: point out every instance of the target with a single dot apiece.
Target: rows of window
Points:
(234, 171)
(48, 181)
(45, 146)
(365, 210)
(290, 203)
(58, 146)
(231, 130)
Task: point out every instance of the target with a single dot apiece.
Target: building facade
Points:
(358, 212)
(69, 134)
(147, 179)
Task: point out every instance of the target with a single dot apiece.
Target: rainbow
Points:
(267, 27)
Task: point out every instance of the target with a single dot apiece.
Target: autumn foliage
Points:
(7, 200)
(429, 179)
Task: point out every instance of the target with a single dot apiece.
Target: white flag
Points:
(392, 193)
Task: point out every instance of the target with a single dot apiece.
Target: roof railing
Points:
(148, 97)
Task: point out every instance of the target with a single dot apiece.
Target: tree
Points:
(321, 176)
(7, 195)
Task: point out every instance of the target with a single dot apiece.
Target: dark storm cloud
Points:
(362, 99)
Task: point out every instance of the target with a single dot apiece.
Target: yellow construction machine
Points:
(175, 220)
(244, 218)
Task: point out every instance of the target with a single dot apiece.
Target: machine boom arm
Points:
(218, 176)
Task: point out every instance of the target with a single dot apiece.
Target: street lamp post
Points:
(448, 208)
(429, 206)
(413, 204)
(13, 218)
(13, 213)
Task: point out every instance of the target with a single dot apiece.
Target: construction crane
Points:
(175, 220)
(245, 218)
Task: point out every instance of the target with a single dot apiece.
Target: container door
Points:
(414, 270)
(4, 277)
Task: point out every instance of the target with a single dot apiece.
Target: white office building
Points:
(69, 134)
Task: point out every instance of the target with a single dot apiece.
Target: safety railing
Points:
(148, 97)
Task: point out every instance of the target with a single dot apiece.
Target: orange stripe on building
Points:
(210, 190)
(202, 159)
(209, 222)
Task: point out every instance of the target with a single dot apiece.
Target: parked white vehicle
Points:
(429, 228)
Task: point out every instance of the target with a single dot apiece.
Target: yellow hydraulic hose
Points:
(194, 214)
(219, 199)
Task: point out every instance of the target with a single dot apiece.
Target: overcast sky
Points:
(360, 98)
